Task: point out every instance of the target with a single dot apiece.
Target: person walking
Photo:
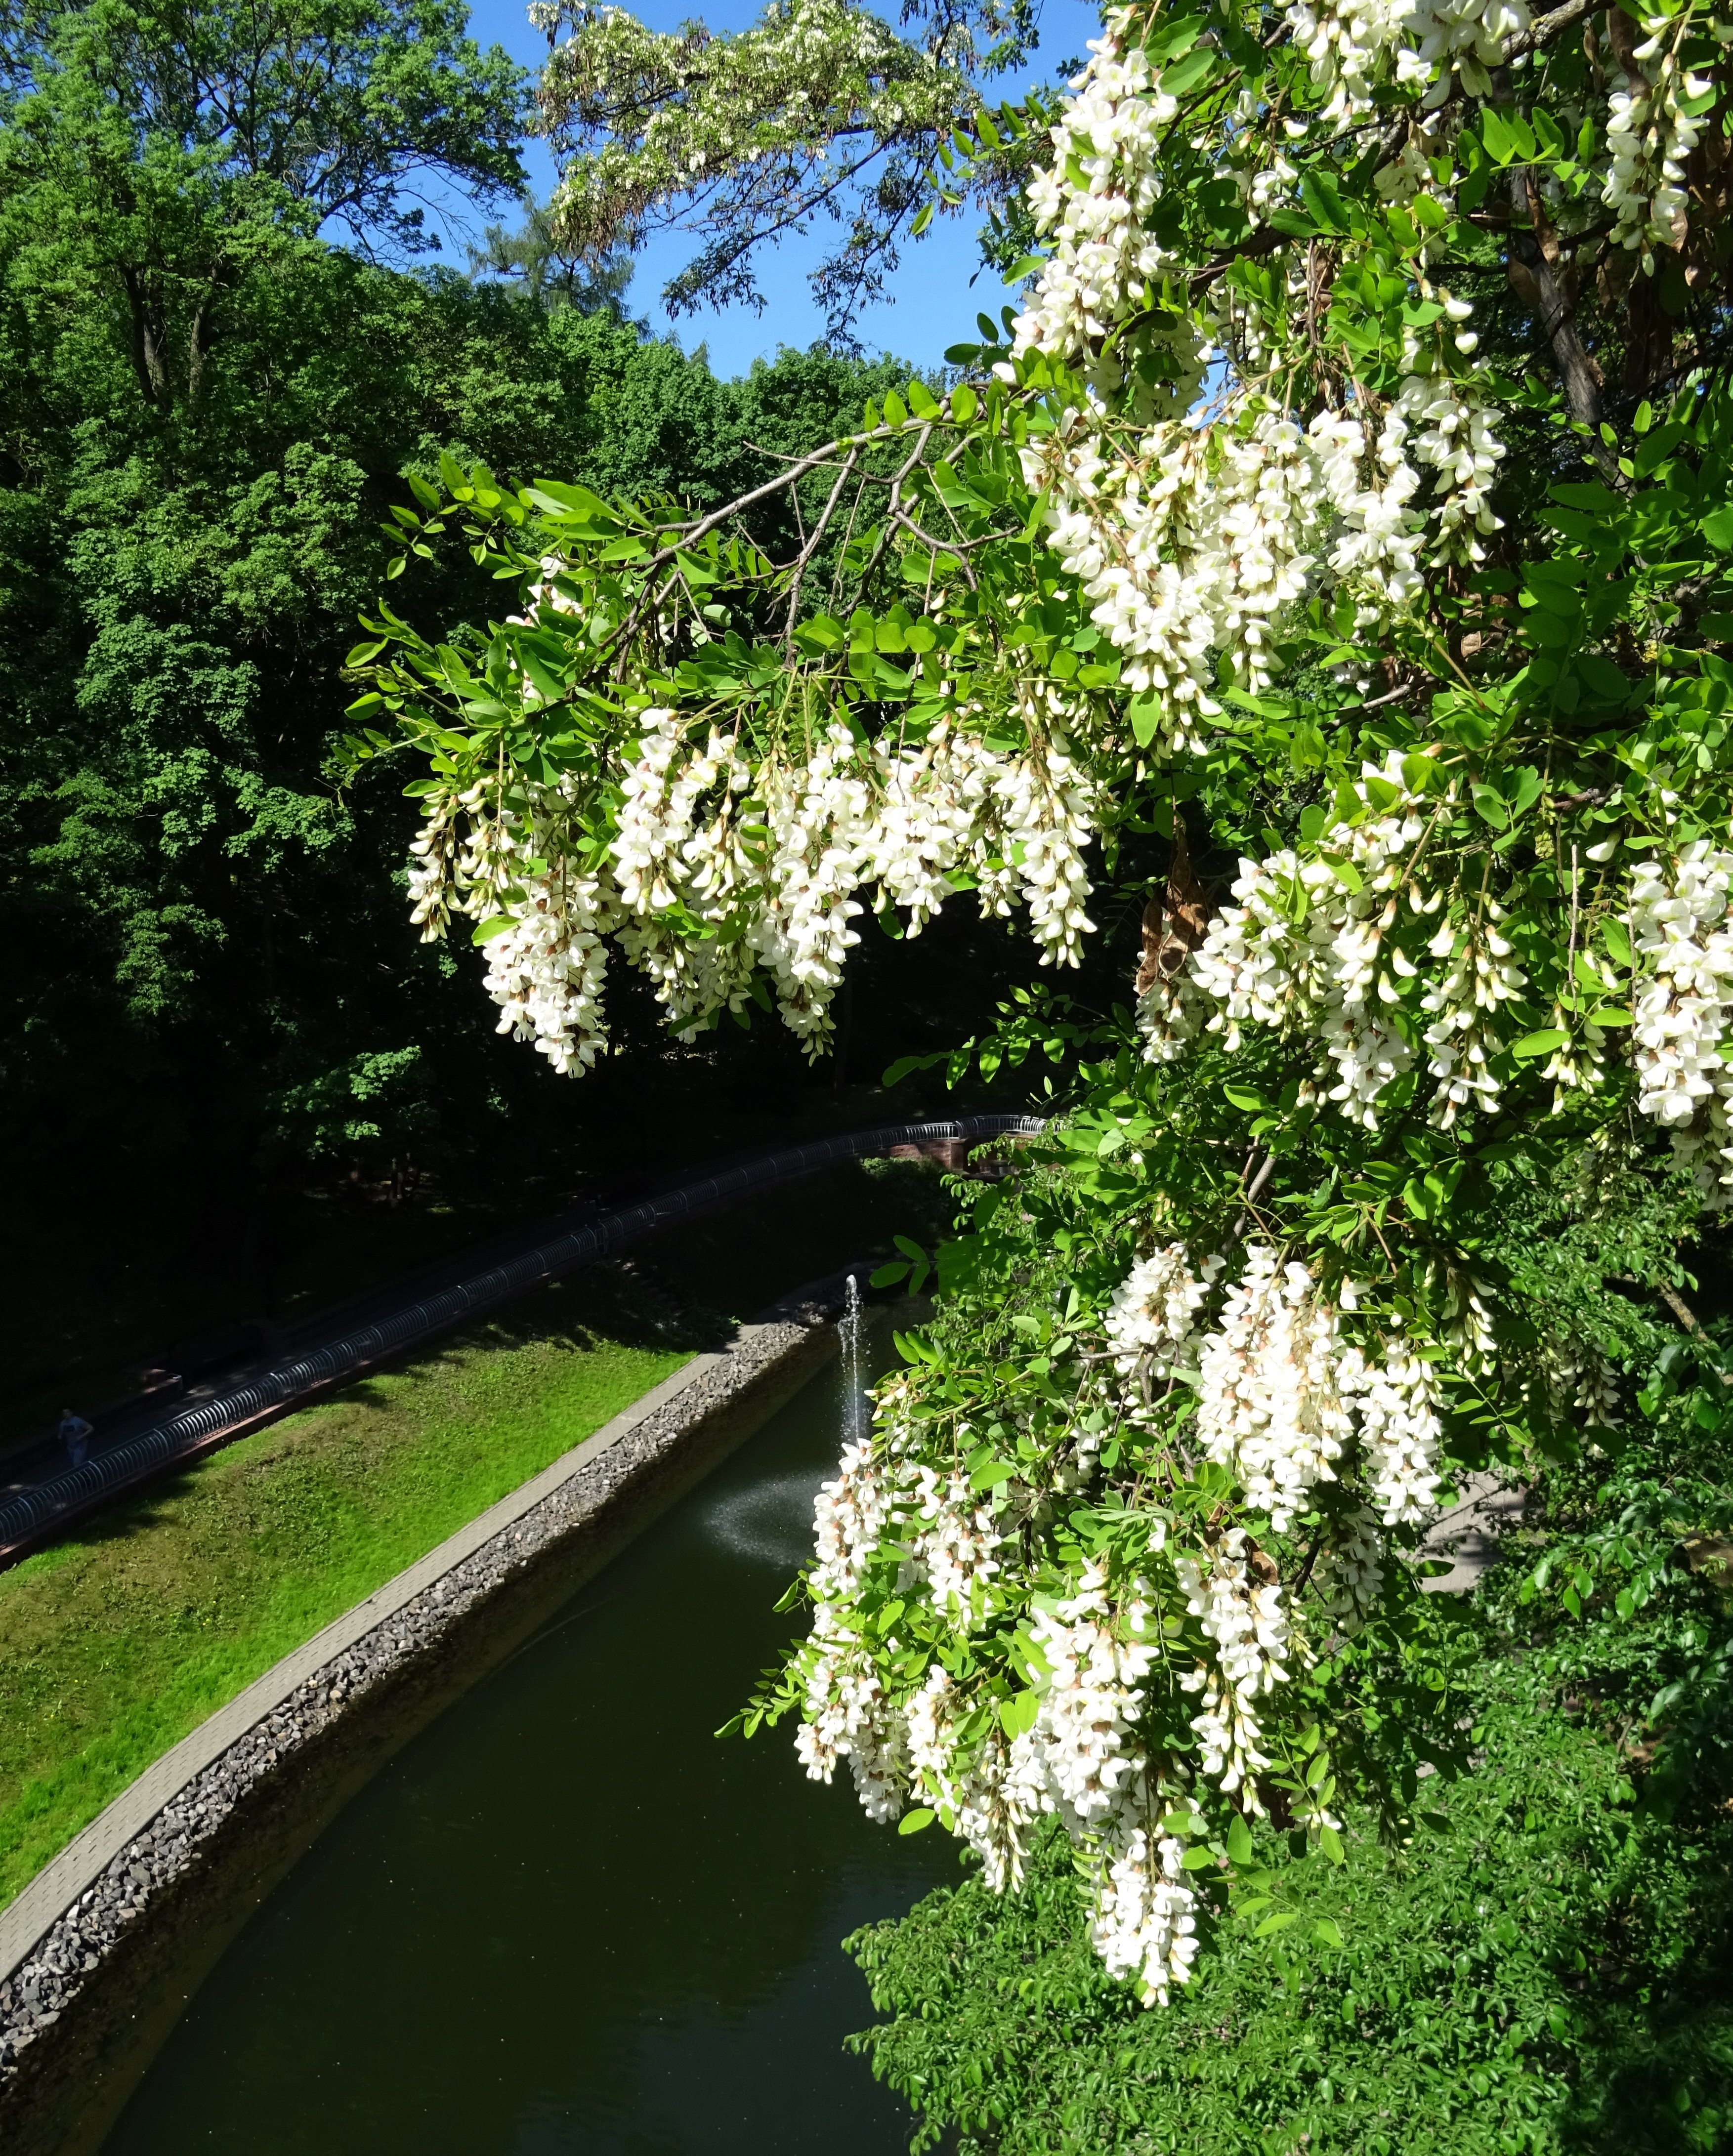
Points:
(75, 1435)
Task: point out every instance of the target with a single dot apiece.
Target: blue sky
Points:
(933, 305)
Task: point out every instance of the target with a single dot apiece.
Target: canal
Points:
(565, 1920)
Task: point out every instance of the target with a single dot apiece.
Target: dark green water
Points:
(565, 1920)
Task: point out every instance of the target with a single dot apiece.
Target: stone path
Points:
(1467, 1533)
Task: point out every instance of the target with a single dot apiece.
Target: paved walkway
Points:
(1467, 1533)
(45, 1495)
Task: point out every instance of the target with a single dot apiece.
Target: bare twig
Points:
(807, 552)
(1244, 1218)
(1390, 696)
(944, 545)
(884, 538)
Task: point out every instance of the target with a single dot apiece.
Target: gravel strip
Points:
(44, 1967)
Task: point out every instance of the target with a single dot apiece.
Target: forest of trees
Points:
(222, 338)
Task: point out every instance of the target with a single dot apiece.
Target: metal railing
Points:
(233, 1409)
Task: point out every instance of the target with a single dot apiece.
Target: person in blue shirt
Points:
(75, 1435)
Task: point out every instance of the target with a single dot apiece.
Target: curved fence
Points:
(233, 1409)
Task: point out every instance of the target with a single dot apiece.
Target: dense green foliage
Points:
(1547, 1974)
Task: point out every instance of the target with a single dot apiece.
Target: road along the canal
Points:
(156, 1440)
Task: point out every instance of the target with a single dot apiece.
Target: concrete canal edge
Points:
(100, 1951)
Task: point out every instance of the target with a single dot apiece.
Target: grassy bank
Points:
(117, 1642)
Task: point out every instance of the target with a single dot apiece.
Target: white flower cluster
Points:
(1152, 1319)
(992, 1791)
(849, 1516)
(1377, 540)
(1649, 135)
(1300, 951)
(848, 1715)
(545, 970)
(1396, 1400)
(816, 812)
(1190, 541)
(1193, 543)
(1347, 46)
(1104, 263)
(680, 857)
(1271, 1404)
(1082, 1756)
(1453, 435)
(1580, 1380)
(719, 865)
(545, 958)
(1078, 1756)
(1079, 1760)
(1354, 45)
(1284, 1394)
(1243, 1615)
(1682, 938)
(954, 1543)
(1482, 974)
(1465, 38)
(1144, 1923)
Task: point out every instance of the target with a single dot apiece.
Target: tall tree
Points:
(820, 116)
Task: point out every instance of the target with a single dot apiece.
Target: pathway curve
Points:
(47, 1497)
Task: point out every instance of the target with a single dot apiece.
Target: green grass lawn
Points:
(117, 1642)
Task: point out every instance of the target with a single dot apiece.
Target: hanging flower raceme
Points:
(1651, 129)
(719, 864)
(1270, 1399)
(1104, 259)
(1152, 1320)
(1682, 937)
(1287, 1398)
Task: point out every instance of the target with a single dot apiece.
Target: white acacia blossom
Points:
(1302, 949)
(1195, 543)
(1078, 1755)
(1284, 1394)
(1081, 1759)
(1354, 45)
(1682, 939)
(1359, 967)
(1194, 540)
(1271, 1402)
(1105, 261)
(719, 866)
(1152, 1321)
(1649, 135)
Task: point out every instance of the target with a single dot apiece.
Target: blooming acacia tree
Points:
(1345, 511)
(821, 113)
